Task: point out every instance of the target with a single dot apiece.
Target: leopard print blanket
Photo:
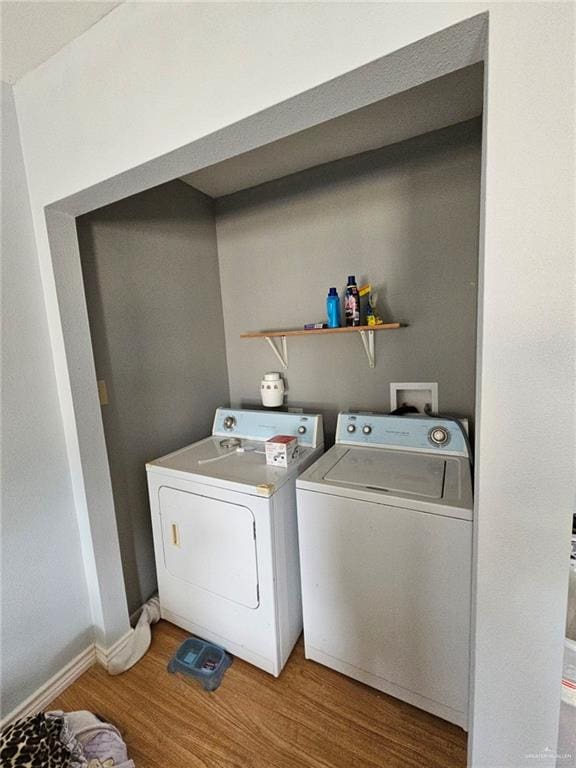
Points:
(40, 741)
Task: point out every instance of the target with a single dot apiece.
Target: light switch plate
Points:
(102, 392)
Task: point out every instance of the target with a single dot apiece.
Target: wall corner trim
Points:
(105, 655)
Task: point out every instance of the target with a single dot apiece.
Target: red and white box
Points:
(281, 450)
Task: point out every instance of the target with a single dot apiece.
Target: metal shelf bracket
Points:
(282, 353)
(368, 343)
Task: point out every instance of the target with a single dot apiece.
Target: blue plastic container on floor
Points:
(203, 660)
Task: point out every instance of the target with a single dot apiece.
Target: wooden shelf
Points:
(312, 331)
(366, 333)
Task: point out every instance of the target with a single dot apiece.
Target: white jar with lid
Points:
(272, 390)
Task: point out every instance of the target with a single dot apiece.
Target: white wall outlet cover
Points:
(422, 395)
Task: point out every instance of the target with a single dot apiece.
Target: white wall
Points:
(152, 77)
(45, 616)
(171, 73)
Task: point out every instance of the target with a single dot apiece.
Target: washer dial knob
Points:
(302, 430)
(229, 423)
(367, 429)
(439, 436)
(351, 427)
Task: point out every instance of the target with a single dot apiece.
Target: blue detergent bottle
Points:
(333, 308)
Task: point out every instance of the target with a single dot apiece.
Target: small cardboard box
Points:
(281, 450)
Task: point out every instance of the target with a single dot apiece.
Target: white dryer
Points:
(385, 528)
(225, 534)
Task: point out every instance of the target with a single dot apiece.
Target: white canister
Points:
(272, 390)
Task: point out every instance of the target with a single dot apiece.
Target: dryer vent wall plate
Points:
(422, 395)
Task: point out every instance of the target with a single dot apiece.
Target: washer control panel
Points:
(412, 433)
(261, 425)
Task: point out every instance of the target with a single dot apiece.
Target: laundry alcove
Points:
(276, 191)
(173, 274)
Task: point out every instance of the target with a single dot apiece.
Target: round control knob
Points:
(367, 429)
(351, 428)
(439, 436)
(302, 430)
(229, 422)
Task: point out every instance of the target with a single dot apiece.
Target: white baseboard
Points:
(105, 655)
(39, 700)
(53, 687)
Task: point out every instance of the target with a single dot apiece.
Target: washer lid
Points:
(382, 470)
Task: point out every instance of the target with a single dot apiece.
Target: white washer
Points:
(225, 535)
(385, 529)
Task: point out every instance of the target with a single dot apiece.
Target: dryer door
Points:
(210, 544)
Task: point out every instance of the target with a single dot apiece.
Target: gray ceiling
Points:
(436, 104)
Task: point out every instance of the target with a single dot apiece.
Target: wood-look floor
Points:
(309, 717)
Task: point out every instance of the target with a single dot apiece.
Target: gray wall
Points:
(46, 618)
(153, 294)
(405, 218)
